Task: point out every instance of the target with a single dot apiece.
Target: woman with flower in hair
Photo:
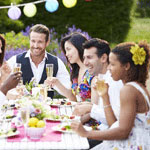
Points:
(130, 63)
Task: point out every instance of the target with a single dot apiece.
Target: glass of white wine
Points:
(101, 85)
(43, 93)
(17, 67)
(49, 72)
(24, 117)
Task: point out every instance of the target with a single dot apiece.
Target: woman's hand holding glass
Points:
(51, 82)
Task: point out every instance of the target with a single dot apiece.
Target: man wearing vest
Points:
(33, 62)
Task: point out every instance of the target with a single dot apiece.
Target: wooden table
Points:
(69, 141)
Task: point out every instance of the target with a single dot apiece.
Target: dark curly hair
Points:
(76, 39)
(3, 49)
(137, 73)
(102, 46)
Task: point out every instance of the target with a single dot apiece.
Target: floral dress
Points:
(139, 137)
(83, 90)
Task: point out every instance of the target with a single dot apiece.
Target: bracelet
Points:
(106, 106)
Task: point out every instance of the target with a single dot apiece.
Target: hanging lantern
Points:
(69, 3)
(51, 5)
(14, 13)
(29, 10)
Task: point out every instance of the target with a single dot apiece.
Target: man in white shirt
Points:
(33, 62)
(96, 54)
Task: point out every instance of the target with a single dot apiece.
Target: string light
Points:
(20, 5)
(50, 5)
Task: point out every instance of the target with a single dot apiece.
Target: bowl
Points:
(35, 133)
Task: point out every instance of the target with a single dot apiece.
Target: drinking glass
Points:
(24, 117)
(49, 72)
(101, 85)
(17, 67)
(43, 93)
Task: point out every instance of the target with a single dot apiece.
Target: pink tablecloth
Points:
(49, 134)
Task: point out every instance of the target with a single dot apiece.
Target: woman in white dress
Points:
(130, 63)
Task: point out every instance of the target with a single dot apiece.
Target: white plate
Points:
(64, 119)
(59, 105)
(58, 128)
(9, 135)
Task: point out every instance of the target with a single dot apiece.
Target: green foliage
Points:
(6, 24)
(16, 40)
(140, 28)
(143, 8)
(106, 19)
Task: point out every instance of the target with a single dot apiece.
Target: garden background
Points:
(114, 21)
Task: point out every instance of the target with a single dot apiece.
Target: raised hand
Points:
(11, 82)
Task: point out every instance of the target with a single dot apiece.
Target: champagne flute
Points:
(49, 72)
(43, 92)
(17, 67)
(101, 85)
(24, 117)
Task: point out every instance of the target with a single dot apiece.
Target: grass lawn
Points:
(140, 30)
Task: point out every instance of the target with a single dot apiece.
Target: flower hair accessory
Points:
(139, 55)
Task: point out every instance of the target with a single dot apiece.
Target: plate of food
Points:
(8, 133)
(9, 105)
(60, 102)
(63, 118)
(66, 128)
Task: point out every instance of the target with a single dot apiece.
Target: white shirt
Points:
(97, 111)
(62, 74)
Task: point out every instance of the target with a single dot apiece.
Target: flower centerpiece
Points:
(38, 111)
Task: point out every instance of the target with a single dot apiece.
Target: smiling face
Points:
(38, 44)
(71, 53)
(117, 70)
(92, 61)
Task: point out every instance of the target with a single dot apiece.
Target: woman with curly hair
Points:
(12, 80)
(5, 69)
(130, 63)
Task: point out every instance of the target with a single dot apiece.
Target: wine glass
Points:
(24, 117)
(43, 93)
(17, 67)
(101, 85)
(49, 72)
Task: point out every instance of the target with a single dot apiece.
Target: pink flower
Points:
(37, 111)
